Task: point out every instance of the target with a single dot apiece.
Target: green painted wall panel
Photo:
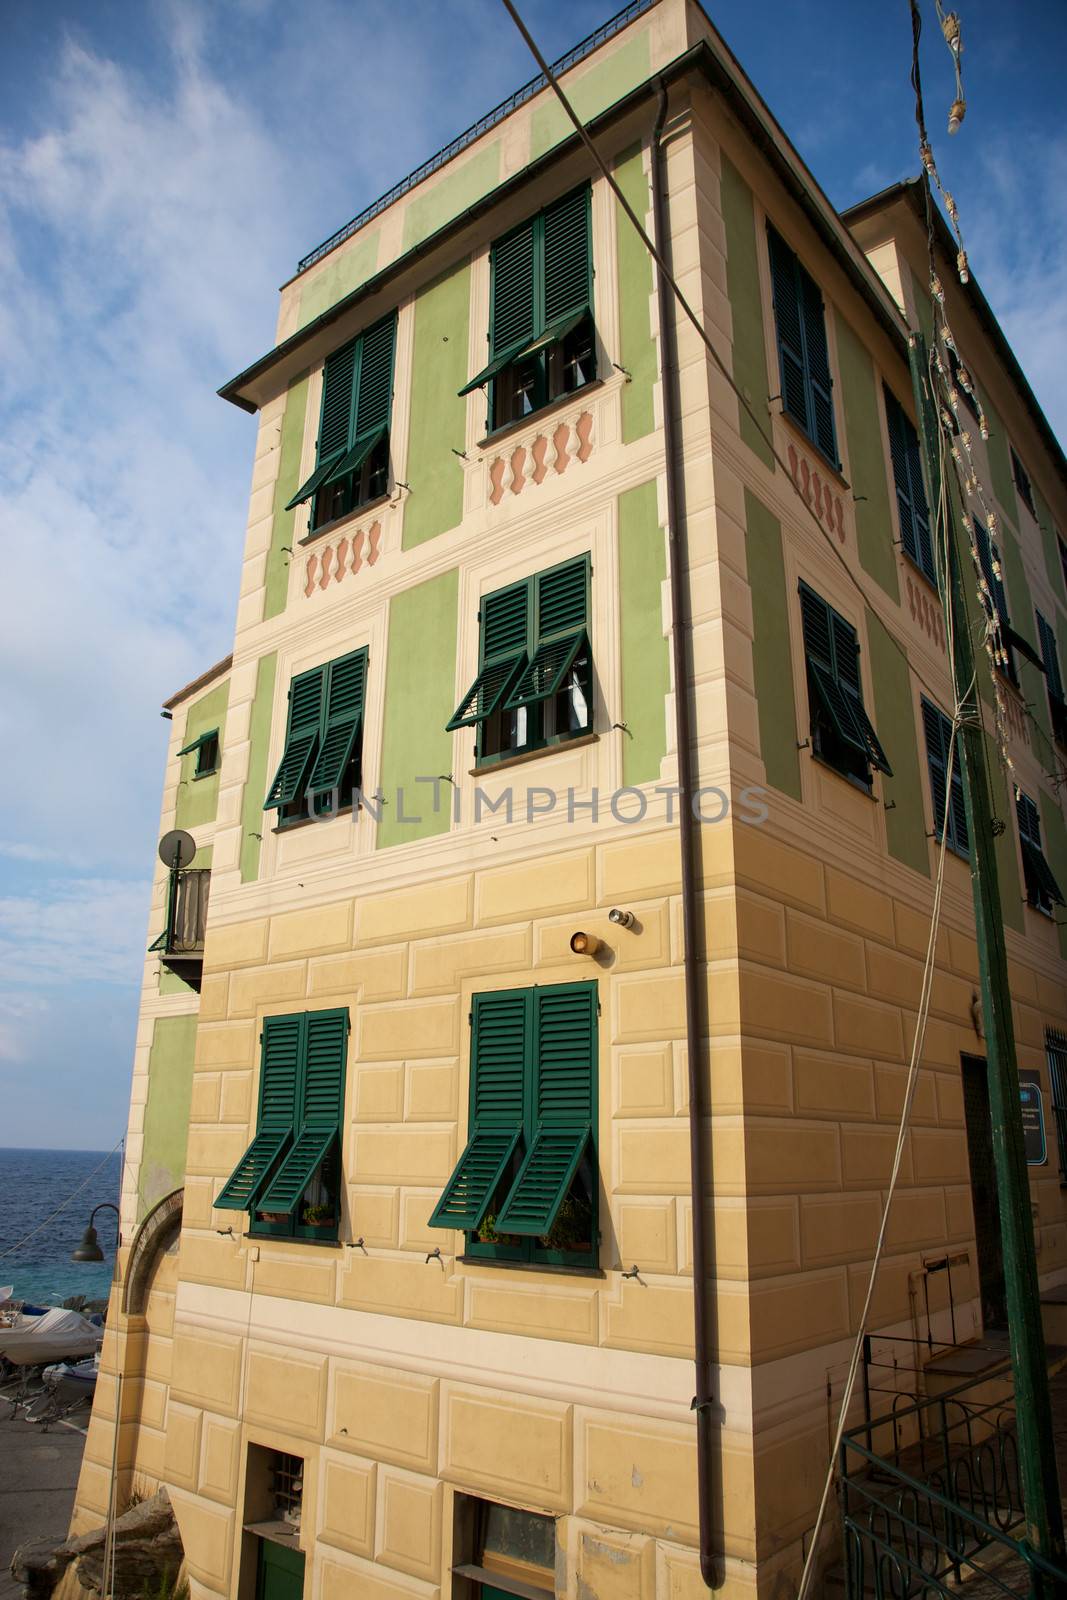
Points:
(292, 445)
(420, 690)
(643, 648)
(166, 1115)
(746, 306)
(637, 348)
(198, 798)
(253, 818)
(894, 716)
(772, 664)
(351, 266)
(1020, 604)
(1053, 564)
(1054, 838)
(1011, 889)
(598, 87)
(462, 184)
(1000, 462)
(438, 414)
(867, 462)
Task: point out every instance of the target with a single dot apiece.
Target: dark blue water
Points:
(32, 1184)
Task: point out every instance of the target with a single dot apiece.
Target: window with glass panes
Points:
(542, 343)
(535, 679)
(352, 455)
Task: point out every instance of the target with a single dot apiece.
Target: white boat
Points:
(55, 1335)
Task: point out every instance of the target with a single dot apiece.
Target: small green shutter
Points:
(345, 688)
(820, 383)
(301, 739)
(338, 381)
(907, 478)
(512, 278)
(938, 732)
(832, 652)
(281, 1052)
(1042, 889)
(485, 693)
(500, 1047)
(803, 354)
(562, 599)
(375, 392)
(505, 625)
(547, 671)
(568, 259)
(1049, 655)
(324, 1052)
(564, 1077)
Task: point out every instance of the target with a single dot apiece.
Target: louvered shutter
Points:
(301, 739)
(1042, 889)
(512, 279)
(567, 257)
(282, 1042)
(938, 732)
(908, 481)
(847, 671)
(375, 390)
(345, 687)
(787, 321)
(325, 1048)
(562, 599)
(500, 1049)
(820, 384)
(832, 653)
(335, 425)
(564, 1089)
(920, 510)
(1056, 1056)
(561, 610)
(504, 636)
(1050, 656)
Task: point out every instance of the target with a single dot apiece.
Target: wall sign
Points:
(1033, 1108)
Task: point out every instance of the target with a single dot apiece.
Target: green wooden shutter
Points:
(1056, 1055)
(847, 668)
(345, 688)
(938, 732)
(502, 651)
(1042, 889)
(301, 740)
(832, 652)
(325, 1049)
(338, 383)
(911, 495)
(817, 361)
(375, 392)
(563, 598)
(564, 1091)
(500, 1049)
(567, 257)
(511, 317)
(561, 611)
(280, 1056)
(1053, 679)
(787, 321)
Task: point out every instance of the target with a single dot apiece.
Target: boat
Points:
(38, 1338)
(72, 1382)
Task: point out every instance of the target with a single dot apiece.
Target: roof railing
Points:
(606, 31)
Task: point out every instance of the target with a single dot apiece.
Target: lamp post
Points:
(89, 1249)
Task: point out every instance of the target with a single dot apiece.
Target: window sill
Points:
(522, 757)
(310, 822)
(856, 783)
(283, 1238)
(506, 429)
(530, 1266)
(834, 467)
(349, 516)
(198, 775)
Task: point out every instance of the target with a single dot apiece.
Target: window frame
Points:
(503, 672)
(336, 800)
(788, 275)
(839, 729)
(516, 1140)
(550, 346)
(208, 741)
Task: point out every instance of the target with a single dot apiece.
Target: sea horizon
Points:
(35, 1245)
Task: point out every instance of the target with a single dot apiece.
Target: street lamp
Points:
(89, 1249)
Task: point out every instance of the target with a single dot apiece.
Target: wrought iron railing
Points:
(187, 911)
(607, 30)
(941, 1504)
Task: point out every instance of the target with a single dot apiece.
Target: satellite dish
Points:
(177, 849)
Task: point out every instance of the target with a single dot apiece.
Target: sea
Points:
(35, 1246)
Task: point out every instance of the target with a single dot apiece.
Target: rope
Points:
(62, 1204)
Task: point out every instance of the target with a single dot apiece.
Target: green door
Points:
(281, 1572)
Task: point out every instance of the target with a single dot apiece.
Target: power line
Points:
(63, 1204)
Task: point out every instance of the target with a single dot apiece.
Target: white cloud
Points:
(71, 930)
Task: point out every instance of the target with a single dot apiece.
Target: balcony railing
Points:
(943, 1506)
(181, 944)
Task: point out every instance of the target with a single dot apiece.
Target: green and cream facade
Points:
(498, 1125)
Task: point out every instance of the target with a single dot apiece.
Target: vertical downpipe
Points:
(689, 841)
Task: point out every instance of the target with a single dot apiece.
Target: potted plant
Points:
(272, 1216)
(317, 1216)
(572, 1227)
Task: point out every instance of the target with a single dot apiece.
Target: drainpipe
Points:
(689, 841)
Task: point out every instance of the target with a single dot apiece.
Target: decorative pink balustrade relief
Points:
(826, 503)
(331, 561)
(531, 463)
(925, 610)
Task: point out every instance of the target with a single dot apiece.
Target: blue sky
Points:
(163, 165)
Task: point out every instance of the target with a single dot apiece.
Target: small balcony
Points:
(181, 944)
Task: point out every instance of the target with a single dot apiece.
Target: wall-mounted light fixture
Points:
(586, 944)
(621, 919)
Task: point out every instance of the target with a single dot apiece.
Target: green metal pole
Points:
(1037, 1455)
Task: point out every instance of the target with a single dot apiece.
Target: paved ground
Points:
(38, 1476)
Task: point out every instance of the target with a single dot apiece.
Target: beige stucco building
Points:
(454, 685)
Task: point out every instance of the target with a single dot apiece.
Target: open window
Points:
(526, 1186)
(320, 768)
(502, 1551)
(289, 1178)
(535, 680)
(542, 341)
(352, 458)
(206, 748)
(842, 734)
